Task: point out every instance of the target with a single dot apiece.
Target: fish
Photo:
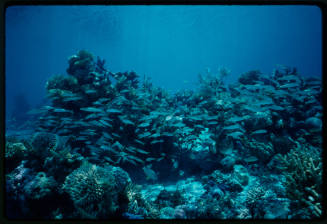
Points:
(276, 108)
(81, 138)
(106, 135)
(117, 145)
(115, 135)
(156, 141)
(289, 85)
(128, 122)
(167, 134)
(235, 119)
(146, 134)
(105, 123)
(72, 98)
(251, 159)
(259, 132)
(233, 127)
(288, 78)
(136, 159)
(141, 151)
(138, 141)
(175, 164)
(91, 109)
(149, 159)
(91, 116)
(106, 158)
(90, 91)
(114, 111)
(143, 125)
(155, 135)
(105, 147)
(61, 110)
(235, 134)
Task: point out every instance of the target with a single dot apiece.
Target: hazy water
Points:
(171, 44)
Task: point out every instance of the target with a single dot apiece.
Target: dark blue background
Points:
(171, 44)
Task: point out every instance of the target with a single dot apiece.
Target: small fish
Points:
(96, 123)
(105, 123)
(259, 132)
(90, 91)
(276, 108)
(75, 98)
(141, 151)
(81, 138)
(289, 85)
(60, 110)
(143, 125)
(136, 159)
(91, 116)
(115, 135)
(251, 159)
(167, 134)
(232, 127)
(156, 141)
(146, 134)
(117, 145)
(235, 119)
(235, 134)
(155, 135)
(288, 78)
(106, 135)
(108, 159)
(91, 109)
(105, 147)
(175, 164)
(138, 141)
(150, 159)
(126, 121)
(114, 111)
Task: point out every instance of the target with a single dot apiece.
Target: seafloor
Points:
(112, 145)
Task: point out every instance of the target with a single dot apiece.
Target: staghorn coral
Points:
(303, 171)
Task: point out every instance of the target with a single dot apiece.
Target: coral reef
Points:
(111, 146)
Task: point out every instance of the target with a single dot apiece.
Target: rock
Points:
(167, 213)
(241, 174)
(228, 162)
(313, 123)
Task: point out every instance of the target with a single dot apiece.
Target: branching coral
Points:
(303, 172)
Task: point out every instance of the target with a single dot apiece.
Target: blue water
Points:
(170, 44)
